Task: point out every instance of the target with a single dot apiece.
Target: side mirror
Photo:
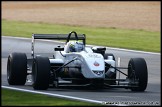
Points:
(59, 48)
(100, 50)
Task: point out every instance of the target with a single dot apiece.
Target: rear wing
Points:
(55, 37)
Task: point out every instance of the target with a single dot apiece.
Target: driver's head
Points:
(76, 46)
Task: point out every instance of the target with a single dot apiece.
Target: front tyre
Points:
(17, 69)
(41, 73)
(137, 70)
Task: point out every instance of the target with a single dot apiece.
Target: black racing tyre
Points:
(17, 69)
(41, 73)
(137, 69)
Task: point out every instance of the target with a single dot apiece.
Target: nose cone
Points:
(93, 65)
(95, 61)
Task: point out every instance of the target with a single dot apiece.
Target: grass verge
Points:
(111, 37)
(18, 98)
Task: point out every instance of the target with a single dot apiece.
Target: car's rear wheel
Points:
(41, 73)
(137, 70)
(17, 69)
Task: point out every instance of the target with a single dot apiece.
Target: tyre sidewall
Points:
(41, 73)
(17, 69)
(140, 68)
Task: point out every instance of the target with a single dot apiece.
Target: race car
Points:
(76, 63)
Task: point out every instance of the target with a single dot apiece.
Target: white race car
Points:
(76, 63)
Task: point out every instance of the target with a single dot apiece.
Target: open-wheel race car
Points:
(75, 62)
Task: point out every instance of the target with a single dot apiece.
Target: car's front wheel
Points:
(41, 73)
(137, 70)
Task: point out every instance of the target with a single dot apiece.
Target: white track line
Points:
(89, 45)
(55, 95)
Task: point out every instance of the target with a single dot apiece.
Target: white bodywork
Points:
(92, 64)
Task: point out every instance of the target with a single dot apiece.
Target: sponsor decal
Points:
(96, 64)
(94, 56)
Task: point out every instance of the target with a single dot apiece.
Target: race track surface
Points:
(150, 96)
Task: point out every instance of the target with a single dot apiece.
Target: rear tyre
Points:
(137, 70)
(17, 69)
(41, 73)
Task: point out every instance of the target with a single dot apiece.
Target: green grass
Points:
(18, 98)
(111, 37)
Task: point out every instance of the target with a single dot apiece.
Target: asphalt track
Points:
(120, 96)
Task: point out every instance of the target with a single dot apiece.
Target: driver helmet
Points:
(76, 46)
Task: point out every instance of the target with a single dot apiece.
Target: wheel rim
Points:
(130, 71)
(8, 68)
(34, 72)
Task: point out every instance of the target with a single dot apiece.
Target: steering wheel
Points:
(76, 36)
